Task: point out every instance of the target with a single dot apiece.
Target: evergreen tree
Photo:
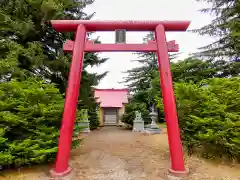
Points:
(139, 78)
(196, 70)
(30, 118)
(93, 118)
(144, 82)
(139, 81)
(225, 27)
(26, 24)
(32, 65)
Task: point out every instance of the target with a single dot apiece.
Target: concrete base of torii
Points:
(69, 174)
(175, 175)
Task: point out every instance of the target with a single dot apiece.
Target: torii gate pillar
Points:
(81, 27)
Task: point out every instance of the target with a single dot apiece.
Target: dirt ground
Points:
(116, 154)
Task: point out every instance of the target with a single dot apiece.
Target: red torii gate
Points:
(81, 45)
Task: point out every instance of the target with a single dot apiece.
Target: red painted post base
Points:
(68, 174)
(178, 173)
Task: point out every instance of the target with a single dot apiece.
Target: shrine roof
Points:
(111, 97)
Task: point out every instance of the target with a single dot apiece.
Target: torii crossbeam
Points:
(81, 45)
(91, 47)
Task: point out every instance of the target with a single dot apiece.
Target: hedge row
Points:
(209, 116)
(30, 119)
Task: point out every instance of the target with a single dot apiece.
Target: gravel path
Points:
(116, 154)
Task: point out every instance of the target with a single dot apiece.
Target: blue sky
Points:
(145, 10)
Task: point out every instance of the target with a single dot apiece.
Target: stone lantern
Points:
(153, 129)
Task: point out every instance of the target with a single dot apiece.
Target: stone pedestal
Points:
(138, 126)
(69, 174)
(85, 124)
(179, 174)
(138, 123)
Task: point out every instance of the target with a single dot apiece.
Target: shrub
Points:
(209, 115)
(30, 118)
(93, 118)
(80, 115)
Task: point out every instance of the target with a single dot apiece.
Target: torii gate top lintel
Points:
(129, 25)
